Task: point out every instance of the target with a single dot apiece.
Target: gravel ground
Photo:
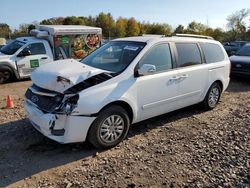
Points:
(185, 148)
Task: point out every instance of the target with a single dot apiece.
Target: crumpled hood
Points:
(243, 59)
(62, 74)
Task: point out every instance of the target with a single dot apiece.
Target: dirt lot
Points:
(186, 148)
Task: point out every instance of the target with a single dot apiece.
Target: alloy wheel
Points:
(214, 96)
(112, 128)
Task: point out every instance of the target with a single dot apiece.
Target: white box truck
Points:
(46, 44)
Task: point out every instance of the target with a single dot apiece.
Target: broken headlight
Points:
(68, 105)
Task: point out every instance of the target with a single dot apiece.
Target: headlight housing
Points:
(68, 105)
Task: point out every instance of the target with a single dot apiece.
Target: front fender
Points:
(92, 100)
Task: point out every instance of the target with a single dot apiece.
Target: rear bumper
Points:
(61, 128)
(226, 83)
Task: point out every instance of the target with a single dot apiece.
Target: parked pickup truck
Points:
(46, 44)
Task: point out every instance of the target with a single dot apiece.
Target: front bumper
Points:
(240, 73)
(70, 128)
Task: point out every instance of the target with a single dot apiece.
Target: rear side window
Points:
(213, 52)
(188, 54)
(36, 48)
(159, 56)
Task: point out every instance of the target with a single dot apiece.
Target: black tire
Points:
(213, 96)
(6, 74)
(101, 134)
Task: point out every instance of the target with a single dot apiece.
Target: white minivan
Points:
(123, 82)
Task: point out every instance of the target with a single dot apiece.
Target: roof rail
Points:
(194, 36)
(153, 35)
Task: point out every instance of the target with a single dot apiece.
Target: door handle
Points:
(175, 78)
(44, 57)
(184, 76)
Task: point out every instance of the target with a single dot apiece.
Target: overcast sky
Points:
(173, 12)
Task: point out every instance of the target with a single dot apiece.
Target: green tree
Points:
(179, 29)
(168, 29)
(208, 32)
(23, 29)
(132, 28)
(4, 30)
(159, 29)
(107, 23)
(30, 27)
(90, 21)
(120, 27)
(196, 28)
(53, 21)
(73, 20)
(46, 22)
(236, 24)
(144, 27)
(218, 34)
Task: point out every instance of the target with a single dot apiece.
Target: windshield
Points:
(244, 51)
(12, 47)
(114, 56)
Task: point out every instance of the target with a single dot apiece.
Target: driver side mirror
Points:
(146, 69)
(24, 53)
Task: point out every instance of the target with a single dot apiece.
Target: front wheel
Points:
(213, 96)
(110, 127)
(6, 74)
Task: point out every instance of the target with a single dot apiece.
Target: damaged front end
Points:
(51, 106)
(54, 113)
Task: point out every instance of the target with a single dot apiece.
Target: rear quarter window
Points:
(212, 52)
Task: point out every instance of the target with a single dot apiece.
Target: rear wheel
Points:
(6, 74)
(110, 127)
(213, 96)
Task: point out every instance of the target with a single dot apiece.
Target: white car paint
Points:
(147, 96)
(71, 70)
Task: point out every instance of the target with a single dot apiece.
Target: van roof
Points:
(69, 29)
(152, 38)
